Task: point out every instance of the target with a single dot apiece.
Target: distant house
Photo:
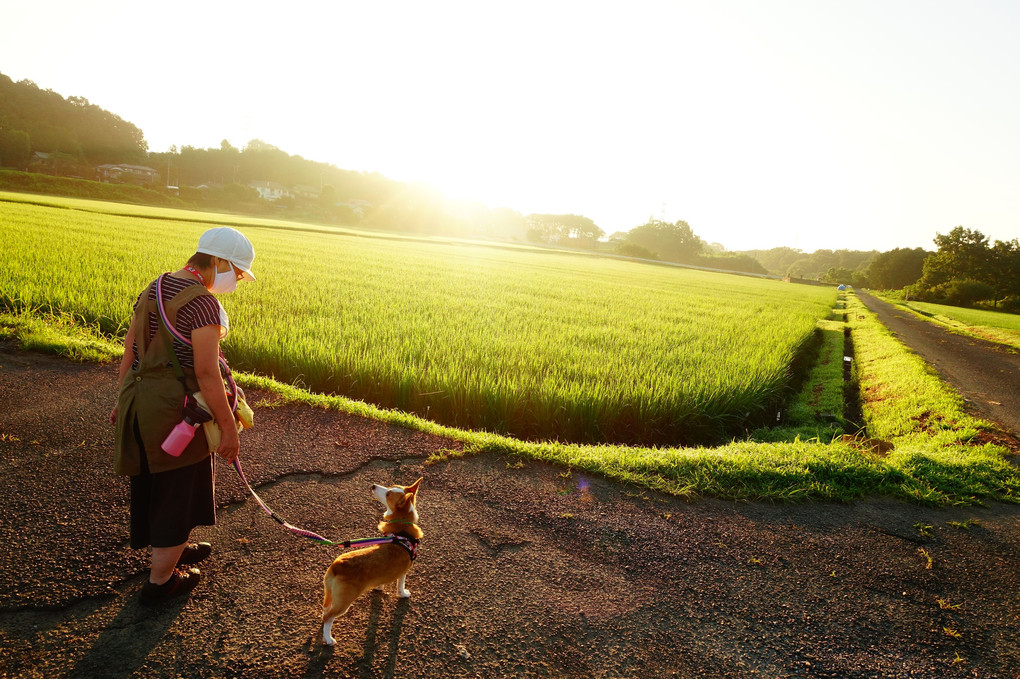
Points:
(357, 206)
(60, 165)
(271, 190)
(127, 174)
(42, 162)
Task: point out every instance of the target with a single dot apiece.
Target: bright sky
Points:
(863, 124)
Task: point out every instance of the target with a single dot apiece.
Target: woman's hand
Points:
(113, 415)
(230, 444)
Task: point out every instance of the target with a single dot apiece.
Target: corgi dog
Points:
(353, 573)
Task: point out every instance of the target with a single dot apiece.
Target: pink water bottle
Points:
(179, 437)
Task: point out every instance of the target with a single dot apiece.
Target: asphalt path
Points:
(986, 374)
(525, 570)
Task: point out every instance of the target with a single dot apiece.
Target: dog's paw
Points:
(329, 641)
(404, 593)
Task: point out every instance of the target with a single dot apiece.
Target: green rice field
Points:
(510, 339)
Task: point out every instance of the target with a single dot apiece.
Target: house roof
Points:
(267, 185)
(123, 166)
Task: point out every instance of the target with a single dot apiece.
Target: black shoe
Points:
(179, 584)
(194, 553)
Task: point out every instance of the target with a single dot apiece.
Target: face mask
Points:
(226, 281)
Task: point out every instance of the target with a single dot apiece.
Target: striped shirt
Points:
(202, 311)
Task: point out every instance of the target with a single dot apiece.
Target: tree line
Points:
(33, 119)
(965, 269)
(968, 269)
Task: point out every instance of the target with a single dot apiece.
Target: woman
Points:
(171, 495)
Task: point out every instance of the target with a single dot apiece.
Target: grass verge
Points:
(58, 333)
(920, 426)
(936, 457)
(995, 326)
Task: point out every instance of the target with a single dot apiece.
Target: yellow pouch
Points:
(244, 418)
(244, 412)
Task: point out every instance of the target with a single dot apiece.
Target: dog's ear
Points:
(411, 492)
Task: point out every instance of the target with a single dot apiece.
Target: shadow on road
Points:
(370, 649)
(128, 640)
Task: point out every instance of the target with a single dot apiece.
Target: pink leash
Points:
(237, 462)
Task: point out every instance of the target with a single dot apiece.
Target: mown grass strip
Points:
(995, 326)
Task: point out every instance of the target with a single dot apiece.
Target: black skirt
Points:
(165, 506)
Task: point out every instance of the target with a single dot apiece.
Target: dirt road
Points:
(986, 374)
(525, 570)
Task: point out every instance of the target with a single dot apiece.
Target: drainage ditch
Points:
(852, 413)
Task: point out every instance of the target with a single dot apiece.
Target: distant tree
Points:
(328, 195)
(541, 228)
(776, 260)
(816, 264)
(959, 292)
(823, 260)
(966, 269)
(962, 254)
(730, 261)
(546, 228)
(802, 268)
(838, 275)
(860, 279)
(262, 161)
(536, 235)
(1004, 270)
(256, 146)
(745, 263)
(506, 223)
(15, 148)
(896, 269)
(675, 242)
(634, 250)
(580, 227)
(72, 126)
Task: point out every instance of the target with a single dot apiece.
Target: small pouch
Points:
(244, 413)
(244, 418)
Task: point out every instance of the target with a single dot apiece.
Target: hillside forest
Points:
(49, 144)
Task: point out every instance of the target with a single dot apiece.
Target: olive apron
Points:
(154, 395)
